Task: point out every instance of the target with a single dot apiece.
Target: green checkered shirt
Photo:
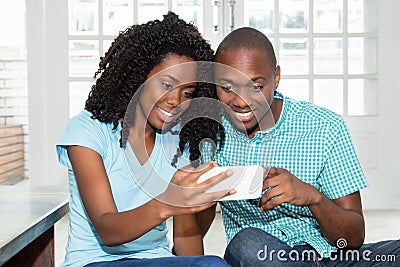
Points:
(312, 143)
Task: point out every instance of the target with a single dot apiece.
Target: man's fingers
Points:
(270, 182)
(274, 202)
(272, 171)
(271, 199)
(265, 171)
(270, 194)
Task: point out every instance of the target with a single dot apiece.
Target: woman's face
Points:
(167, 91)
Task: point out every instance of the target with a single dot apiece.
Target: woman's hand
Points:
(185, 195)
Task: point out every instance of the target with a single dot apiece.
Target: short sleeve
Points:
(84, 131)
(342, 173)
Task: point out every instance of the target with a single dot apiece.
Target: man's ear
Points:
(277, 77)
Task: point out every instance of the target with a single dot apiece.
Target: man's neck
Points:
(270, 119)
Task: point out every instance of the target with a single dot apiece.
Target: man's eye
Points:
(167, 85)
(187, 94)
(256, 87)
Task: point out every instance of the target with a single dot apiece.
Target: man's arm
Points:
(338, 218)
(205, 219)
(189, 231)
(187, 236)
(341, 218)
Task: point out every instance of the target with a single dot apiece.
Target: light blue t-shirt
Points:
(84, 244)
(311, 142)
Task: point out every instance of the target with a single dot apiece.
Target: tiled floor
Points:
(380, 225)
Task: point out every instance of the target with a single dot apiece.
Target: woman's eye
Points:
(227, 87)
(167, 85)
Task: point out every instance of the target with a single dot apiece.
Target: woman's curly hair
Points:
(126, 65)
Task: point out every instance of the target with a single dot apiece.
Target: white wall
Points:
(47, 47)
(384, 190)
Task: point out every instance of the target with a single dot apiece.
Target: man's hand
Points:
(284, 187)
(338, 218)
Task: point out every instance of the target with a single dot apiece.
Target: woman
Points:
(113, 222)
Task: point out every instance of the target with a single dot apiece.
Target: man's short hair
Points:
(248, 38)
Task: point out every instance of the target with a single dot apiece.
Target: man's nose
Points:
(243, 98)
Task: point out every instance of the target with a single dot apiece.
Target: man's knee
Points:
(244, 246)
(247, 236)
(251, 238)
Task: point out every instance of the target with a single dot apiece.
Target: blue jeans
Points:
(181, 261)
(254, 247)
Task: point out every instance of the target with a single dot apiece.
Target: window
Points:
(327, 49)
(94, 24)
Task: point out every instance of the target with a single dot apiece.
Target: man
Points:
(311, 202)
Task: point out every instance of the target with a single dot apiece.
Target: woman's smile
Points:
(165, 115)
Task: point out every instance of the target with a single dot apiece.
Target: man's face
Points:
(247, 88)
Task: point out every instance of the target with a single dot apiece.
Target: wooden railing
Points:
(12, 167)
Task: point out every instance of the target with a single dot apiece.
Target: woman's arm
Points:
(183, 196)
(113, 227)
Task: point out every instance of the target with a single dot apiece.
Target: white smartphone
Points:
(247, 180)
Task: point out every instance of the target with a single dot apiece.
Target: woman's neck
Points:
(142, 138)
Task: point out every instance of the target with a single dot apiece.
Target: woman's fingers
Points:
(215, 196)
(220, 194)
(205, 167)
(191, 175)
(210, 182)
(187, 192)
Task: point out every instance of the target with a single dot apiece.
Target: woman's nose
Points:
(173, 97)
